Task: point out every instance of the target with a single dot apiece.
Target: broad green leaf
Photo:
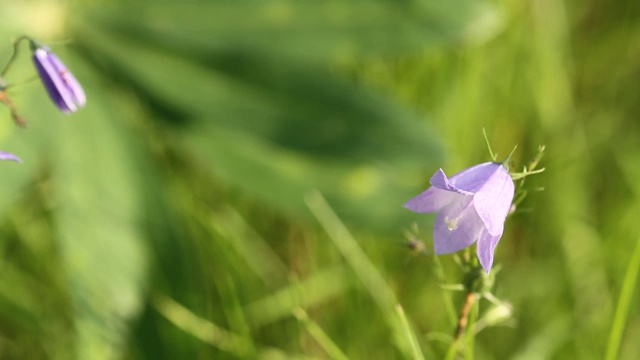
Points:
(307, 30)
(278, 129)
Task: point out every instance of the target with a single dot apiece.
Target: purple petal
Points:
(457, 226)
(62, 87)
(77, 93)
(493, 200)
(431, 200)
(439, 195)
(439, 180)
(486, 246)
(52, 81)
(9, 156)
(474, 178)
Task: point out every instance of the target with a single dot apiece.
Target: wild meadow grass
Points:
(233, 188)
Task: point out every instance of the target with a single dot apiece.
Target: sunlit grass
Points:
(175, 216)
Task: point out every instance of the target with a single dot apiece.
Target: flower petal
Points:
(474, 178)
(486, 246)
(9, 156)
(63, 88)
(431, 200)
(439, 180)
(457, 226)
(436, 197)
(77, 92)
(493, 200)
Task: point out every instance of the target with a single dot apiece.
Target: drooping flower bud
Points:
(62, 86)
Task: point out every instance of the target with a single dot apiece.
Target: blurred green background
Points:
(197, 207)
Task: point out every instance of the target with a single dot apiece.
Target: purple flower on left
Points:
(62, 86)
(9, 156)
(472, 205)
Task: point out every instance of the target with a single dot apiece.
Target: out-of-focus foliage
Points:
(169, 219)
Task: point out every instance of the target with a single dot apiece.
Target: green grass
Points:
(234, 186)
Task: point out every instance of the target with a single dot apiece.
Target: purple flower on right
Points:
(62, 86)
(472, 205)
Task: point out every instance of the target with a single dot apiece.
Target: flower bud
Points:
(62, 86)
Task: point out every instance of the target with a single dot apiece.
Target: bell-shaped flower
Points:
(472, 205)
(62, 86)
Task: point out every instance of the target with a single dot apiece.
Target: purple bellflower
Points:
(62, 86)
(472, 205)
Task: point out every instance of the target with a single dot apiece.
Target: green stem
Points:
(453, 349)
(319, 335)
(16, 45)
(448, 302)
(624, 302)
(471, 332)
(465, 328)
(409, 334)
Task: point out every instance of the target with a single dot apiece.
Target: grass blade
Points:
(409, 334)
(319, 335)
(310, 292)
(624, 302)
(202, 329)
(362, 266)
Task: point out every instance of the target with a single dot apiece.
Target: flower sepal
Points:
(478, 281)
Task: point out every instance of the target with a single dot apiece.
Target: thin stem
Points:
(409, 334)
(463, 321)
(471, 333)
(448, 303)
(4, 99)
(16, 45)
(486, 139)
(23, 82)
(319, 335)
(464, 314)
(505, 162)
(453, 349)
(624, 303)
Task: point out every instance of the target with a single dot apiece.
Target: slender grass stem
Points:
(624, 302)
(409, 334)
(319, 335)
